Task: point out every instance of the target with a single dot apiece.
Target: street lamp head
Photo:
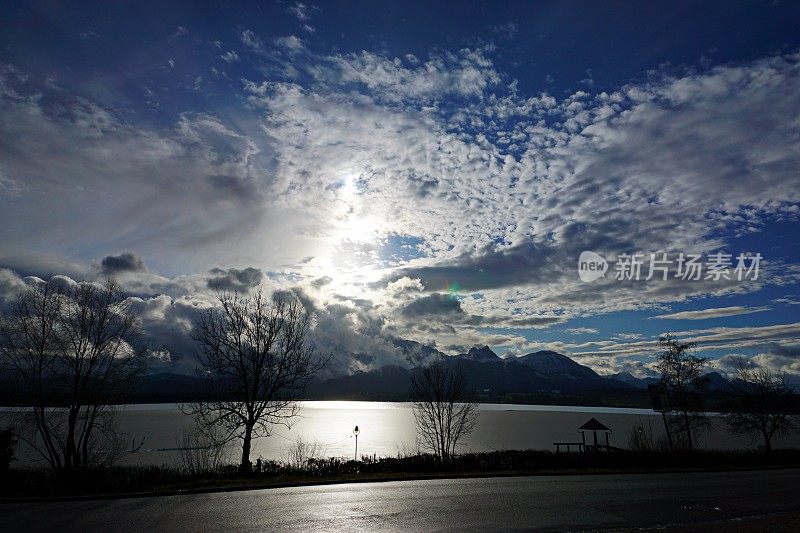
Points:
(356, 431)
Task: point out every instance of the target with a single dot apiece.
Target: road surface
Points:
(511, 503)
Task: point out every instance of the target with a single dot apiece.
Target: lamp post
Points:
(356, 431)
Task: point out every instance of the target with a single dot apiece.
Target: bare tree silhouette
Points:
(443, 412)
(681, 377)
(256, 362)
(75, 348)
(760, 405)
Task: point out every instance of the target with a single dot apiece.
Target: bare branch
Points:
(443, 412)
(74, 349)
(256, 362)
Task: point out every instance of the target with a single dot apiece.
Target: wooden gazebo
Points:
(594, 425)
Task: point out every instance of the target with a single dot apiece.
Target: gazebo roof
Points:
(594, 425)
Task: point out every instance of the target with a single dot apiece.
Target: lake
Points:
(388, 429)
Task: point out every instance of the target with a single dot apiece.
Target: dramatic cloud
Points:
(435, 304)
(423, 198)
(497, 213)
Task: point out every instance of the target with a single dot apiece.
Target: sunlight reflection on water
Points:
(388, 428)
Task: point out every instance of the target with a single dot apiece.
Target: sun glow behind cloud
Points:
(354, 222)
(347, 254)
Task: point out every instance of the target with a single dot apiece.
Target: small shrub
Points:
(301, 451)
(8, 445)
(201, 450)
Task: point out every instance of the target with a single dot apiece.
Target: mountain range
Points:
(545, 377)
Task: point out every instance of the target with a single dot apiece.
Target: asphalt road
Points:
(558, 502)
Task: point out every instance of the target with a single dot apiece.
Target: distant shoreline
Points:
(556, 402)
(588, 406)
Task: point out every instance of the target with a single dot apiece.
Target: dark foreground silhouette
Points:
(120, 480)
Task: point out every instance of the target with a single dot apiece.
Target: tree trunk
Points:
(246, 465)
(688, 430)
(667, 429)
(767, 443)
(70, 459)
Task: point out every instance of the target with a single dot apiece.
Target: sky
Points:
(429, 171)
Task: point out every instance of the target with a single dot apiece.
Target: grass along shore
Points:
(28, 483)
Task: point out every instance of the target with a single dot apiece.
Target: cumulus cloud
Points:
(404, 285)
(234, 280)
(11, 284)
(168, 323)
(321, 282)
(124, 262)
(777, 359)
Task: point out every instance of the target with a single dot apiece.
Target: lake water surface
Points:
(388, 429)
